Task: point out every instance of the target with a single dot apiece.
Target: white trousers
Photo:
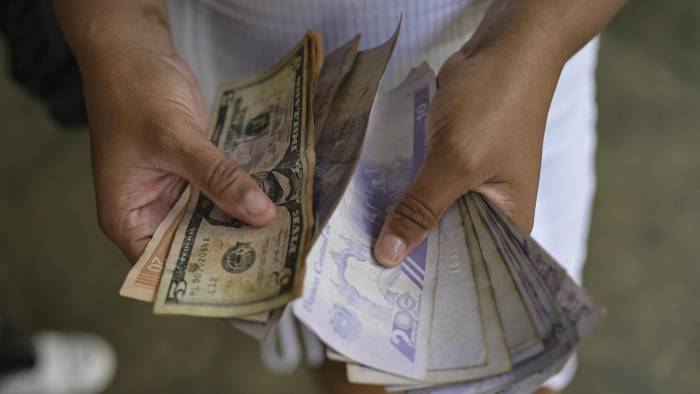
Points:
(227, 39)
(567, 178)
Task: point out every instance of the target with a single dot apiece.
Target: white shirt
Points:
(224, 40)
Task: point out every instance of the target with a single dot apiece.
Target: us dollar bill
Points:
(142, 281)
(218, 266)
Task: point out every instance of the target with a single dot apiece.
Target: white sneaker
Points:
(65, 364)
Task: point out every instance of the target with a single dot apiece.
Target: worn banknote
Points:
(456, 337)
(341, 139)
(459, 241)
(336, 66)
(218, 266)
(576, 311)
(376, 316)
(142, 281)
(573, 303)
(519, 332)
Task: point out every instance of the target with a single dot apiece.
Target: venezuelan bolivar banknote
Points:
(378, 317)
(576, 312)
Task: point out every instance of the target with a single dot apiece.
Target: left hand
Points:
(485, 133)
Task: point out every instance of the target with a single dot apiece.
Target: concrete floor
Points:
(58, 272)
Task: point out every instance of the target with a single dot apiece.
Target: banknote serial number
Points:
(195, 278)
(196, 269)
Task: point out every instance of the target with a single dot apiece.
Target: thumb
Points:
(417, 211)
(221, 179)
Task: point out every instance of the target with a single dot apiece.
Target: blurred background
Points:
(58, 272)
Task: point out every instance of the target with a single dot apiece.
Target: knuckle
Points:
(105, 220)
(411, 211)
(109, 226)
(523, 219)
(224, 175)
(527, 219)
(520, 210)
(104, 224)
(124, 229)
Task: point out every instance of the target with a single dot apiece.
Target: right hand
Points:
(148, 132)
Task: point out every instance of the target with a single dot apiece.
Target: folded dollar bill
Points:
(478, 307)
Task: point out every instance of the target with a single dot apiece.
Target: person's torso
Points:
(224, 40)
(228, 39)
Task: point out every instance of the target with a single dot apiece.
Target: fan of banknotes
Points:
(478, 307)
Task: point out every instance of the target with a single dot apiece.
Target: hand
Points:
(148, 124)
(485, 132)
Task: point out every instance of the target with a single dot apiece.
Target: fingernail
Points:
(390, 249)
(256, 203)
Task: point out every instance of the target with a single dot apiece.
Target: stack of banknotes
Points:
(478, 307)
